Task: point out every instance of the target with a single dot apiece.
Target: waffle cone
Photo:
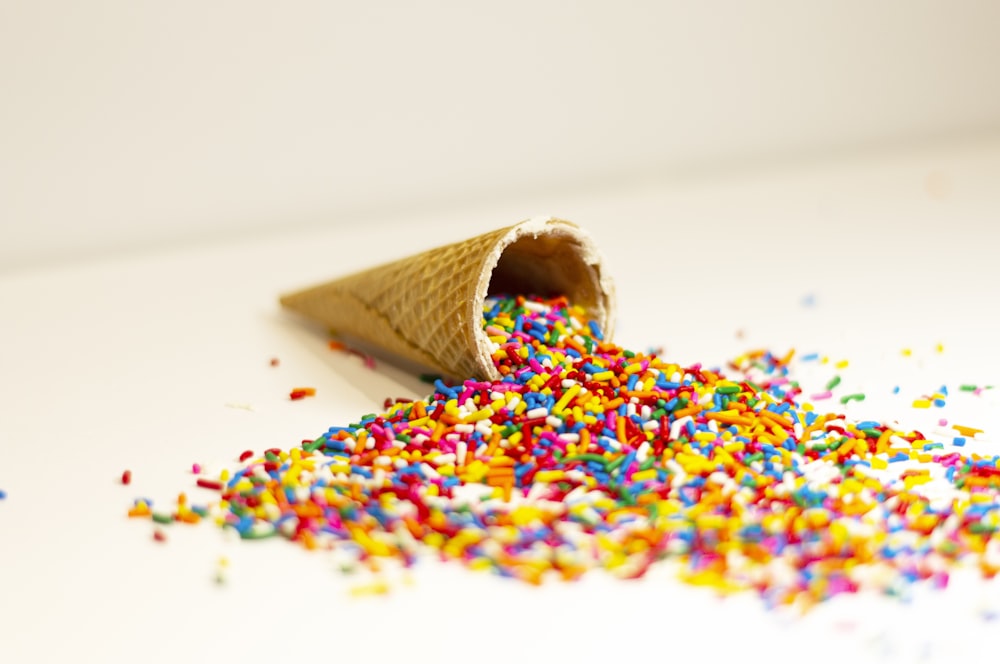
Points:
(428, 308)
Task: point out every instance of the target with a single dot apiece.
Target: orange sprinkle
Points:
(690, 410)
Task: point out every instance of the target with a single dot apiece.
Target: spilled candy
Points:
(588, 456)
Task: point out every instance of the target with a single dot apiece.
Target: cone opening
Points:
(545, 257)
(547, 265)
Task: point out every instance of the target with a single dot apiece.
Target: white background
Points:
(139, 124)
(169, 169)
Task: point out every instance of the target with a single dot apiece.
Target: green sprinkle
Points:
(847, 398)
(728, 389)
(258, 533)
(614, 464)
(626, 495)
(315, 445)
(160, 517)
(834, 382)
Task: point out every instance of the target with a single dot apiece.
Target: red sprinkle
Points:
(209, 484)
(158, 536)
(246, 455)
(127, 477)
(301, 393)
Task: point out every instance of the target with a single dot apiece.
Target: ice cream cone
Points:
(428, 308)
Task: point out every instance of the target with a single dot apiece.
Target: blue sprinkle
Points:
(810, 357)
(444, 389)
(595, 330)
(958, 441)
(895, 390)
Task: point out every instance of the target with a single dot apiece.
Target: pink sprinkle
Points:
(196, 468)
(819, 396)
(942, 422)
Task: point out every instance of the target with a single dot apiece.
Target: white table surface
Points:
(153, 362)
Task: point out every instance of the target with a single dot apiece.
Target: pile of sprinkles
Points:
(585, 455)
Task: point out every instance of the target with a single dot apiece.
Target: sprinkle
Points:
(834, 382)
(847, 398)
(3, 494)
(246, 455)
(301, 392)
(158, 535)
(922, 403)
(126, 477)
(196, 468)
(275, 362)
(966, 431)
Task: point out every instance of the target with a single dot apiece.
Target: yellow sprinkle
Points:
(922, 403)
(879, 464)
(912, 481)
(604, 375)
(841, 365)
(643, 475)
(374, 588)
(567, 397)
(479, 415)
(907, 352)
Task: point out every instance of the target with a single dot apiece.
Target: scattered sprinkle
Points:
(301, 393)
(126, 477)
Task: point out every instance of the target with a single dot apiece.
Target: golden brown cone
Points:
(428, 308)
